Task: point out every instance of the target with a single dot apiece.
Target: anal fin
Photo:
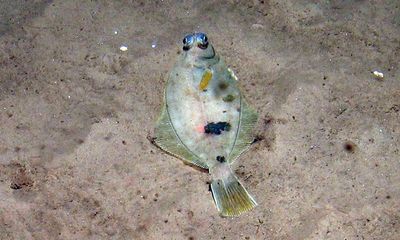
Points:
(167, 139)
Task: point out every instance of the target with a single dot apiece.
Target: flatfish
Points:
(207, 122)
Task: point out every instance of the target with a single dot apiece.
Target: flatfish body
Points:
(206, 121)
(192, 107)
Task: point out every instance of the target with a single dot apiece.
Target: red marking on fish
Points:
(200, 128)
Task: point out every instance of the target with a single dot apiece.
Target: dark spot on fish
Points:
(222, 85)
(224, 111)
(217, 128)
(349, 146)
(228, 98)
(221, 159)
(186, 48)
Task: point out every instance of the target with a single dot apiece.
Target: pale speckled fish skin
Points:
(190, 108)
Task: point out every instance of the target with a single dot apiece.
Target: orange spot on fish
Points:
(205, 80)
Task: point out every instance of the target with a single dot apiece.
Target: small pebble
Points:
(378, 74)
(257, 26)
(154, 44)
(123, 48)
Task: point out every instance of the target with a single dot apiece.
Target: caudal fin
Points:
(231, 197)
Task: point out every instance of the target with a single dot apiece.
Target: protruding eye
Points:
(202, 39)
(187, 42)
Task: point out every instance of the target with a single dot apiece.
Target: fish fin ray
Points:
(244, 136)
(168, 140)
(230, 197)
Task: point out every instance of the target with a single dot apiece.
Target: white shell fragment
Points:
(123, 48)
(257, 26)
(378, 74)
(154, 44)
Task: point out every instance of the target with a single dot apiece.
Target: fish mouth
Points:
(209, 57)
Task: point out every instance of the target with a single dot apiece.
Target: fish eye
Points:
(203, 40)
(187, 42)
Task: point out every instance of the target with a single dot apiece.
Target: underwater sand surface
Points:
(81, 86)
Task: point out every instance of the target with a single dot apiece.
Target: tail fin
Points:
(230, 196)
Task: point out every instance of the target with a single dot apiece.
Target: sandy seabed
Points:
(77, 113)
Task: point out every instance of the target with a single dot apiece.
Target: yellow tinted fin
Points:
(205, 80)
(168, 140)
(244, 135)
(230, 197)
